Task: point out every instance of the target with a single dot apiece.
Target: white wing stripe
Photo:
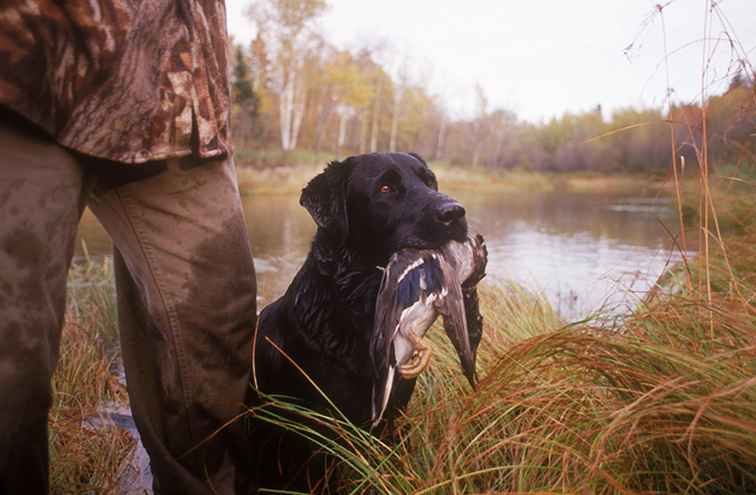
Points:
(411, 267)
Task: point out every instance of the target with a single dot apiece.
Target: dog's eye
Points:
(385, 188)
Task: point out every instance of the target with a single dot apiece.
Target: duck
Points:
(417, 286)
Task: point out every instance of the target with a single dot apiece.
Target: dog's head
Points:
(380, 203)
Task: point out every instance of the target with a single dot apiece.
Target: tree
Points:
(288, 26)
(399, 88)
(480, 127)
(259, 62)
(244, 110)
(243, 93)
(267, 104)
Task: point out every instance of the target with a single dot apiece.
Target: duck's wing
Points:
(408, 279)
(399, 286)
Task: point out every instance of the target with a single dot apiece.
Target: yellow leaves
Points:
(416, 105)
(350, 84)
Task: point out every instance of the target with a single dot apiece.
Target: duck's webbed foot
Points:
(419, 361)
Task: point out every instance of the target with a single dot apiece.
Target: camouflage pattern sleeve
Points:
(126, 80)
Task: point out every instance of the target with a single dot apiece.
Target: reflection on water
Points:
(583, 251)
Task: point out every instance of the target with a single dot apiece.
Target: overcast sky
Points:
(538, 58)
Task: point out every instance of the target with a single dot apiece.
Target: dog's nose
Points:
(449, 212)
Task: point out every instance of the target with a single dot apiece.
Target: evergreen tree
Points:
(243, 93)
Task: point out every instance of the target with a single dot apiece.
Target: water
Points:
(583, 251)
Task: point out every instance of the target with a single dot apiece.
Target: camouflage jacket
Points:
(126, 80)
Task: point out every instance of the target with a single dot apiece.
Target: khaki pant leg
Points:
(41, 198)
(187, 309)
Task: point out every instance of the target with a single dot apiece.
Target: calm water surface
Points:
(582, 251)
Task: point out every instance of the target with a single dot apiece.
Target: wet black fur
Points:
(324, 321)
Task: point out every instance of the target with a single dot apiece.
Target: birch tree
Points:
(399, 89)
(290, 28)
(479, 125)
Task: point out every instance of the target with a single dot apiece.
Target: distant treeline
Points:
(292, 89)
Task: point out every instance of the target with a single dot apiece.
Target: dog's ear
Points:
(325, 197)
(415, 155)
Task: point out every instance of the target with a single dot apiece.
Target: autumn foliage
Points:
(313, 95)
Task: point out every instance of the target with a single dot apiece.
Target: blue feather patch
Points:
(435, 276)
(420, 280)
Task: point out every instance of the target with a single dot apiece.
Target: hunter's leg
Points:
(187, 306)
(40, 204)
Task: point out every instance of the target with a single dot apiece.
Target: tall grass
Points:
(86, 457)
(665, 403)
(662, 405)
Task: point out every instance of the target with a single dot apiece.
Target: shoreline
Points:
(290, 179)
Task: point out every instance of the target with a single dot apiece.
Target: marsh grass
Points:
(85, 458)
(663, 406)
(660, 404)
(665, 403)
(733, 196)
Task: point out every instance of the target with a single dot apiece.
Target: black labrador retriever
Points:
(366, 208)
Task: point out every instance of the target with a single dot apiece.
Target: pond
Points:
(582, 251)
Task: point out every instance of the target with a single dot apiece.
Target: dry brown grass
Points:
(85, 459)
(664, 404)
